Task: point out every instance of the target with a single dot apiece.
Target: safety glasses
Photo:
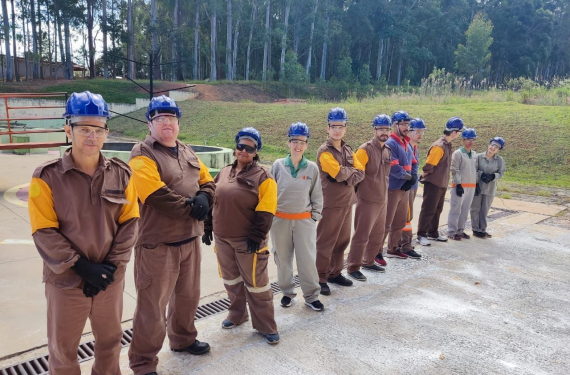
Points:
(246, 148)
(162, 120)
(86, 130)
(298, 142)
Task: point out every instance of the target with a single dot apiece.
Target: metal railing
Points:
(11, 121)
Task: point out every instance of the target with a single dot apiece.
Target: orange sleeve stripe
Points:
(130, 210)
(267, 196)
(41, 206)
(145, 176)
(357, 163)
(329, 164)
(395, 162)
(205, 176)
(435, 155)
(362, 157)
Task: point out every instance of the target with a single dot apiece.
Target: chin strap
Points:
(154, 131)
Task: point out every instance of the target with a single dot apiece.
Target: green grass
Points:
(113, 90)
(537, 151)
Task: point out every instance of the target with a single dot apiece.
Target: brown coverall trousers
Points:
(407, 232)
(432, 205)
(396, 216)
(369, 227)
(164, 275)
(333, 237)
(246, 279)
(67, 313)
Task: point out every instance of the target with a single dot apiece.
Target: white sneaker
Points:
(423, 241)
(439, 238)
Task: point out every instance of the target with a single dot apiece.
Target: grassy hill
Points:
(537, 148)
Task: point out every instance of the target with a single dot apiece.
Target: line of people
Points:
(87, 212)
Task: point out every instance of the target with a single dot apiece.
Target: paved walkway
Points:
(480, 306)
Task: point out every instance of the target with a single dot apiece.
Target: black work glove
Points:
(200, 206)
(89, 290)
(490, 177)
(459, 190)
(207, 237)
(414, 178)
(252, 246)
(484, 177)
(331, 178)
(407, 185)
(98, 275)
(477, 190)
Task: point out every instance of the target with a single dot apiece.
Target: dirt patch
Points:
(233, 93)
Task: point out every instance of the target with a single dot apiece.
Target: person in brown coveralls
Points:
(435, 178)
(84, 217)
(246, 201)
(372, 196)
(175, 190)
(340, 172)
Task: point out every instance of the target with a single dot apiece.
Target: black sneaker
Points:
(151, 373)
(325, 290)
(357, 275)
(316, 305)
(479, 234)
(412, 254)
(374, 268)
(286, 301)
(340, 280)
(487, 235)
(197, 348)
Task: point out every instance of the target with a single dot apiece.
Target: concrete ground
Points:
(498, 305)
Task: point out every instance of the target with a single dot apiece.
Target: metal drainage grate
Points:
(85, 352)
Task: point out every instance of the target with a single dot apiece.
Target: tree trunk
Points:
(310, 53)
(16, 70)
(269, 43)
(297, 28)
(104, 29)
(253, 15)
(9, 72)
(267, 11)
(235, 52)
(50, 56)
(284, 42)
(131, 47)
(196, 35)
(213, 42)
(40, 39)
(155, 51)
(324, 58)
(229, 65)
(379, 60)
(90, 41)
(61, 42)
(399, 81)
(36, 66)
(68, 61)
(175, 60)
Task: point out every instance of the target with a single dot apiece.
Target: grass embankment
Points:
(537, 151)
(113, 90)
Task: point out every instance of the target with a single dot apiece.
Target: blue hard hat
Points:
(454, 123)
(417, 124)
(381, 120)
(299, 128)
(86, 104)
(337, 114)
(469, 133)
(499, 140)
(161, 104)
(400, 116)
(250, 133)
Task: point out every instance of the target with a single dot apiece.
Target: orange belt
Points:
(465, 185)
(300, 216)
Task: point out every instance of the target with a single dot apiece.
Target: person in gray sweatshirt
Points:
(463, 184)
(294, 229)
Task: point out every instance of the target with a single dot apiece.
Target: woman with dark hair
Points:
(490, 168)
(246, 201)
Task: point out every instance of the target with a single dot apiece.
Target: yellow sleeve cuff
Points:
(145, 176)
(41, 206)
(329, 164)
(267, 196)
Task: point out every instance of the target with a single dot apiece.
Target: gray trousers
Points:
(479, 211)
(459, 210)
(296, 238)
